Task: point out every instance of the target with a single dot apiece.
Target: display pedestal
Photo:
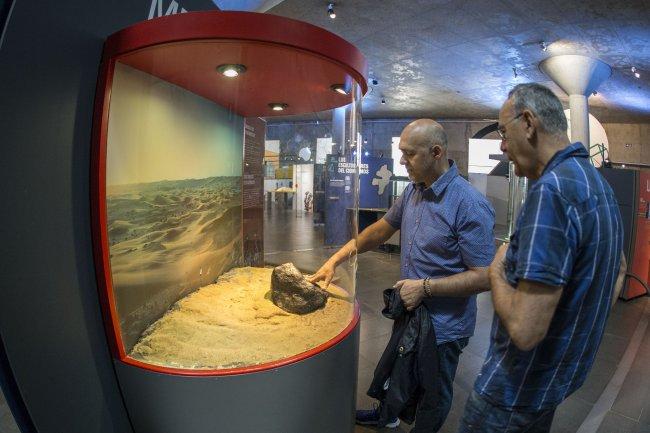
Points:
(315, 395)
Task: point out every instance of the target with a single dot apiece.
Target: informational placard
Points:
(253, 190)
(375, 182)
(339, 199)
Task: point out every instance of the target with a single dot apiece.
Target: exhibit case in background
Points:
(183, 268)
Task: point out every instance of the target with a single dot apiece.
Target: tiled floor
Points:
(291, 236)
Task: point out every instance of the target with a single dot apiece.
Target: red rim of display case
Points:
(233, 26)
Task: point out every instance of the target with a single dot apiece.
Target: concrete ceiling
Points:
(455, 58)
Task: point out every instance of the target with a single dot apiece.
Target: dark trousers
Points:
(448, 354)
(481, 416)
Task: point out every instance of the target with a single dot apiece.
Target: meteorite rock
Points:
(291, 291)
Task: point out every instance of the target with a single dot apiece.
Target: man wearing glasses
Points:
(554, 285)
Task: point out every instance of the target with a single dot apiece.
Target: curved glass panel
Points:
(206, 192)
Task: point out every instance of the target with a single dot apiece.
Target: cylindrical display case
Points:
(205, 334)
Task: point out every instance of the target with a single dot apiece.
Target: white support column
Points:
(579, 119)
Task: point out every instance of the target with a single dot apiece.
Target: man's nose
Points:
(503, 146)
(402, 160)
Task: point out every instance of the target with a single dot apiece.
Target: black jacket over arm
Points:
(410, 366)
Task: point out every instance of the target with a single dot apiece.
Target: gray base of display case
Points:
(315, 395)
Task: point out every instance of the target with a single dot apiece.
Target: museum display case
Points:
(183, 263)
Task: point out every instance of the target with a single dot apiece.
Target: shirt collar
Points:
(576, 150)
(440, 184)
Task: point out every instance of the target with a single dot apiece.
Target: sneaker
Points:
(371, 417)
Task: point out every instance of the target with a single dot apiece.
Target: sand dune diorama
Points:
(174, 225)
(234, 323)
(166, 239)
(179, 243)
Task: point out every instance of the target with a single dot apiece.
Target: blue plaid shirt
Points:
(445, 229)
(569, 234)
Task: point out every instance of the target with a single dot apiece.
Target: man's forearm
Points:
(620, 280)
(502, 298)
(466, 283)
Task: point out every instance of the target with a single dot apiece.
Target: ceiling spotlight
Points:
(278, 106)
(383, 100)
(366, 153)
(635, 72)
(330, 11)
(339, 88)
(231, 71)
(543, 46)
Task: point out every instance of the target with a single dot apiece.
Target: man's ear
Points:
(531, 123)
(436, 151)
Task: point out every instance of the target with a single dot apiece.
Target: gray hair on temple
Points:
(543, 102)
(438, 136)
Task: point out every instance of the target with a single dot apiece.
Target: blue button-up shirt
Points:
(445, 229)
(569, 234)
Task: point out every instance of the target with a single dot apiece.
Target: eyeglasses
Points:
(501, 129)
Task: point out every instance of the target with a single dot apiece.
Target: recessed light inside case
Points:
(339, 88)
(278, 106)
(231, 70)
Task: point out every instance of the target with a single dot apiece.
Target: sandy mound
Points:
(233, 323)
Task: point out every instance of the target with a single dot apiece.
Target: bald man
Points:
(447, 245)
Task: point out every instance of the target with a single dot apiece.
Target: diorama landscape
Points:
(168, 238)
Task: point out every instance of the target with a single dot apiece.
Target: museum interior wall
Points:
(377, 136)
(629, 142)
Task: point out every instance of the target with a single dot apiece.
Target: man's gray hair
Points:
(541, 101)
(439, 137)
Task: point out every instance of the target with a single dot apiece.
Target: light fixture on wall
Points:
(278, 106)
(635, 72)
(330, 11)
(231, 70)
(339, 88)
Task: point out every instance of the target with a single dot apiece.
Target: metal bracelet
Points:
(427, 288)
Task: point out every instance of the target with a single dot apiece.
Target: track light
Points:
(330, 11)
(543, 46)
(231, 71)
(383, 100)
(635, 72)
(514, 71)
